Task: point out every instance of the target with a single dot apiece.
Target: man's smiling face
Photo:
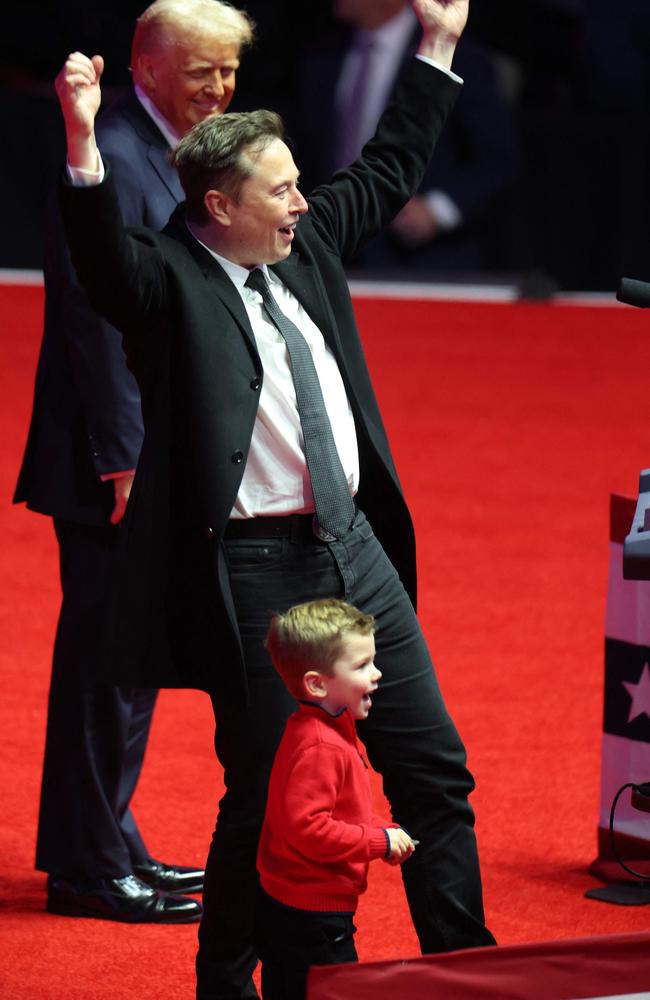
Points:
(264, 216)
(190, 77)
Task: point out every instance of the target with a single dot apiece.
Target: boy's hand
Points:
(401, 846)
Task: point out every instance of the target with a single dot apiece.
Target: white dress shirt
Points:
(276, 479)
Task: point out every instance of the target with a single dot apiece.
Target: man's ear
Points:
(315, 684)
(144, 72)
(219, 206)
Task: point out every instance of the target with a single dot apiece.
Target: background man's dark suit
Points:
(87, 422)
(180, 601)
(476, 161)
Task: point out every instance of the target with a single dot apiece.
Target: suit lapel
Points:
(157, 146)
(214, 274)
(158, 159)
(304, 281)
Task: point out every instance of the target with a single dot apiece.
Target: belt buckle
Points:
(321, 533)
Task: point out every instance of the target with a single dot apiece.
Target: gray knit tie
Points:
(334, 505)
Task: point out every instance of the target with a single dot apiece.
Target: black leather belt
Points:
(298, 527)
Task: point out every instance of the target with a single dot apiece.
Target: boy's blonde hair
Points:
(310, 637)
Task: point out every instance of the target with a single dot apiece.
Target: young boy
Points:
(319, 831)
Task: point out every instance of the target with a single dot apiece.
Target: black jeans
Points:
(409, 737)
(289, 941)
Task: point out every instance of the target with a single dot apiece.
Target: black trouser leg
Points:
(96, 734)
(413, 743)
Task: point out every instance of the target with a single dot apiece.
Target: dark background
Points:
(576, 74)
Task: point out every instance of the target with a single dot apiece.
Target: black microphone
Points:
(635, 293)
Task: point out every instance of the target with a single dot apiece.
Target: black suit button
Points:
(237, 457)
(256, 383)
(209, 532)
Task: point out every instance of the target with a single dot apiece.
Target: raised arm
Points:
(121, 269)
(79, 93)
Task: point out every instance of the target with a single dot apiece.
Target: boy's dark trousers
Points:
(289, 941)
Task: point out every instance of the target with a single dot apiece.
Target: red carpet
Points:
(511, 425)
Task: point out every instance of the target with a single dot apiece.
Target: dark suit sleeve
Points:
(147, 190)
(363, 198)
(107, 389)
(122, 270)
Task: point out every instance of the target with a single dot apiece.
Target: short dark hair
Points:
(219, 153)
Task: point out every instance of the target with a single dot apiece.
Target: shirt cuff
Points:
(443, 69)
(86, 178)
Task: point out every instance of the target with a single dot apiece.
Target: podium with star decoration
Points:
(626, 716)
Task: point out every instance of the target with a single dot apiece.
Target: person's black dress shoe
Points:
(126, 899)
(170, 878)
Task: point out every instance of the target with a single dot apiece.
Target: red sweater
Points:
(319, 830)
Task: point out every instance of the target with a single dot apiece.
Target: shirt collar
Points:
(342, 723)
(235, 272)
(317, 704)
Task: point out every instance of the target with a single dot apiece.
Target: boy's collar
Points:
(316, 704)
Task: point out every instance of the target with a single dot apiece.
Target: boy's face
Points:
(354, 679)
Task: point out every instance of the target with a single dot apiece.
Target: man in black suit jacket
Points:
(451, 223)
(84, 441)
(225, 523)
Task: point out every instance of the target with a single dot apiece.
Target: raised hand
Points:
(443, 22)
(443, 15)
(79, 93)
